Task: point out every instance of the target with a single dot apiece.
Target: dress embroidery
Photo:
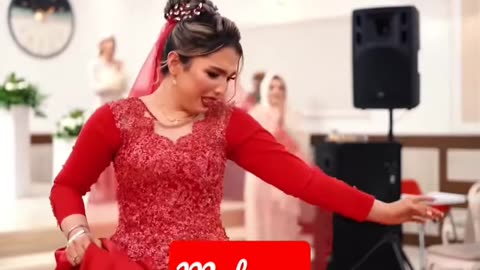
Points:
(167, 190)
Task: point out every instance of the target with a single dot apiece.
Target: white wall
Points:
(315, 59)
(65, 78)
(315, 83)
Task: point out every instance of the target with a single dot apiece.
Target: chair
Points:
(463, 256)
(411, 187)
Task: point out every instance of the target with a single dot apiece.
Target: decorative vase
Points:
(15, 176)
(62, 147)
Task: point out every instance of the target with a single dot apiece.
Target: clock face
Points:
(41, 28)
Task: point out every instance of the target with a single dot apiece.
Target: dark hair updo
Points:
(200, 31)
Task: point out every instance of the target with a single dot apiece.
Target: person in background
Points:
(109, 79)
(253, 98)
(234, 176)
(109, 83)
(270, 214)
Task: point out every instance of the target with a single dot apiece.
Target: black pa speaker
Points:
(385, 58)
(374, 168)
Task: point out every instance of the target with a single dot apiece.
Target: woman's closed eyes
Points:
(213, 75)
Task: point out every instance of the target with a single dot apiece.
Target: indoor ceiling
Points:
(261, 12)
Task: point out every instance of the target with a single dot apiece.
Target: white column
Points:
(61, 151)
(15, 145)
(62, 148)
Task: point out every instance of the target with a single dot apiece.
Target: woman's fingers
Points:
(424, 211)
(418, 219)
(437, 214)
(76, 249)
(84, 242)
(72, 255)
(422, 199)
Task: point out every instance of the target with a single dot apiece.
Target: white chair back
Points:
(473, 225)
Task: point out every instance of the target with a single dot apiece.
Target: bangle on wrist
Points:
(83, 226)
(76, 235)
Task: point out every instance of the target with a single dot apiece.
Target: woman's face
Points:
(108, 48)
(205, 79)
(276, 93)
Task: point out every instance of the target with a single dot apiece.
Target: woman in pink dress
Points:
(169, 143)
(234, 180)
(234, 176)
(270, 214)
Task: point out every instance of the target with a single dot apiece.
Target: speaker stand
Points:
(390, 125)
(392, 240)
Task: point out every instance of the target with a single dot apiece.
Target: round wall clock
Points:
(41, 28)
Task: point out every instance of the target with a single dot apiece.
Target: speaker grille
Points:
(385, 62)
(385, 78)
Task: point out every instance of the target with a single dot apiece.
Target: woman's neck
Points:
(108, 59)
(166, 99)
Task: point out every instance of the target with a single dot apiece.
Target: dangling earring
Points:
(174, 81)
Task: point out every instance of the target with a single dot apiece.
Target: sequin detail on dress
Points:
(167, 190)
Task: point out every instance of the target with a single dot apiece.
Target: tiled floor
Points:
(29, 232)
(413, 254)
(26, 222)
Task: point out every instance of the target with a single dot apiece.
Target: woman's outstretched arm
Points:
(257, 151)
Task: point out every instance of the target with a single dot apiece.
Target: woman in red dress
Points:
(169, 142)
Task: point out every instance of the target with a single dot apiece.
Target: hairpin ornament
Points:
(183, 11)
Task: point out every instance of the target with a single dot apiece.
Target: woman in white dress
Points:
(109, 76)
(109, 83)
(271, 214)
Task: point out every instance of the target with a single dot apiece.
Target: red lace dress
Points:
(171, 191)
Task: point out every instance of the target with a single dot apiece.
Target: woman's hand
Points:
(411, 208)
(77, 245)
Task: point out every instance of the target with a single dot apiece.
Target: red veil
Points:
(150, 77)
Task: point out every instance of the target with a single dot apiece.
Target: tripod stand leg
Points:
(421, 239)
(365, 258)
(401, 256)
(397, 249)
(407, 260)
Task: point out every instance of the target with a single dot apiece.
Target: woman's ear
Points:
(174, 64)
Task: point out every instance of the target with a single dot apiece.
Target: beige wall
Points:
(470, 57)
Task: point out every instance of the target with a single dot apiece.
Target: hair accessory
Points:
(183, 11)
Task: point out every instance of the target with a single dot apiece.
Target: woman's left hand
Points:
(408, 209)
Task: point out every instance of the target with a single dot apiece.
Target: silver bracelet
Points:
(76, 227)
(76, 235)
